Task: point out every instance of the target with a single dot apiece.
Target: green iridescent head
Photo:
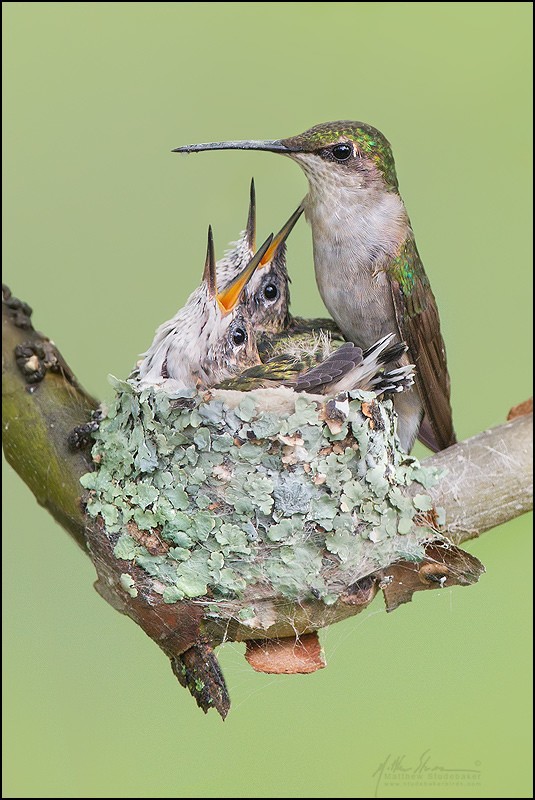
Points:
(351, 147)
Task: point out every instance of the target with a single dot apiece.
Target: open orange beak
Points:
(230, 296)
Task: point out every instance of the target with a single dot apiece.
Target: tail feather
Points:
(395, 380)
(386, 354)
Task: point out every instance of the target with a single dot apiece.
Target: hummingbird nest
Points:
(258, 506)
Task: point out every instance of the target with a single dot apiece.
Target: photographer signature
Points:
(397, 769)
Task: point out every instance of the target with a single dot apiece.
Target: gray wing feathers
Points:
(344, 359)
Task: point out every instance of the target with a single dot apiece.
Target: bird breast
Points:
(355, 233)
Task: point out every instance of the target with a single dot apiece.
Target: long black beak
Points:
(272, 146)
(281, 237)
(250, 230)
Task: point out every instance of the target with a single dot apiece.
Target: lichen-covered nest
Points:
(230, 499)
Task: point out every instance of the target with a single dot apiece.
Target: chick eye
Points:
(239, 336)
(342, 152)
(270, 291)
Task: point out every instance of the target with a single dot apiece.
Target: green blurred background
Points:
(105, 236)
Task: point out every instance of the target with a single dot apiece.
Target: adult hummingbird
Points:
(208, 340)
(367, 265)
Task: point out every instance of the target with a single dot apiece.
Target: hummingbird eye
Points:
(342, 152)
(271, 292)
(239, 336)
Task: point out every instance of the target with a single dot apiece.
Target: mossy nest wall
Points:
(225, 496)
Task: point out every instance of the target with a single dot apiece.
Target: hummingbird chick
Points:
(367, 265)
(330, 371)
(208, 340)
(267, 295)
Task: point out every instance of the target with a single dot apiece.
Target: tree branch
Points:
(41, 404)
(489, 479)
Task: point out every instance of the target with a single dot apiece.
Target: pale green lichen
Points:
(239, 496)
(127, 582)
